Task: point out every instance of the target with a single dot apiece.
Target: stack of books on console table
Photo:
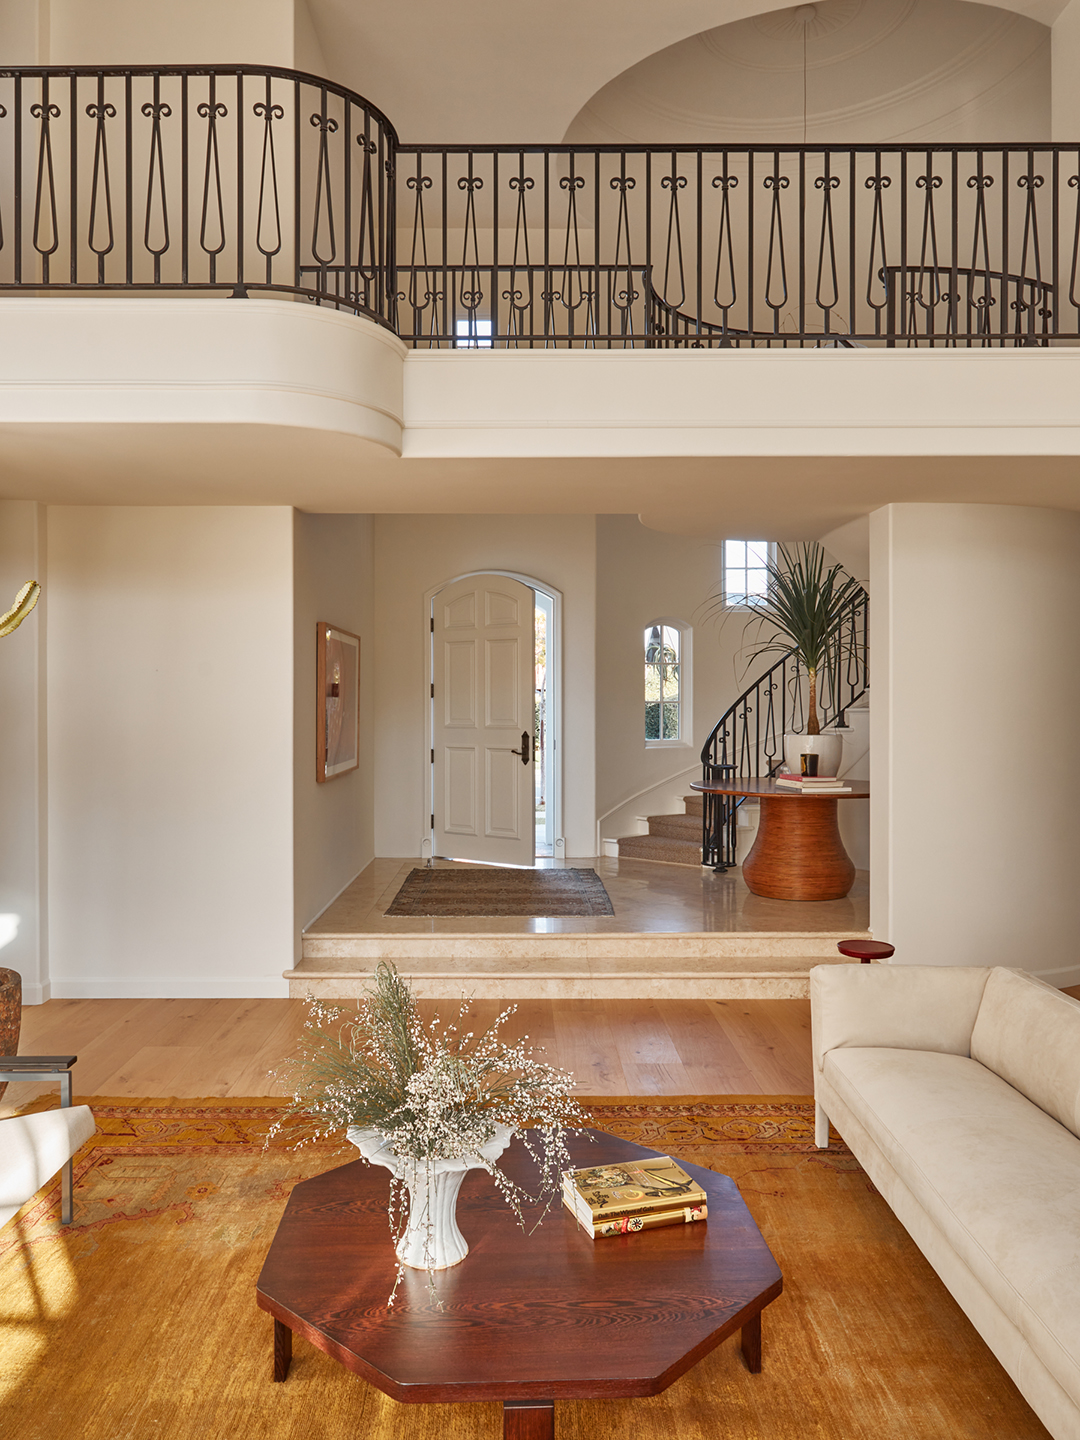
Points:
(625, 1199)
(813, 784)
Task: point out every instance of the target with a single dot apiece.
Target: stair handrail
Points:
(747, 742)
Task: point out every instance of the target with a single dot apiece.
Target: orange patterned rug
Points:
(138, 1322)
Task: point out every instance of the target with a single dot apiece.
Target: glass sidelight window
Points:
(663, 683)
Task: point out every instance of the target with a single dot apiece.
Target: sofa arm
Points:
(903, 1007)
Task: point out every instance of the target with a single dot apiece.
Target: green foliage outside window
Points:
(662, 665)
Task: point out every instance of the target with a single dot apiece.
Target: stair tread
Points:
(661, 847)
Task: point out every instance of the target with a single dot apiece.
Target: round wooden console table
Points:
(798, 853)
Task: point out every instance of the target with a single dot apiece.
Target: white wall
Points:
(413, 553)
(334, 824)
(170, 675)
(196, 32)
(1065, 73)
(23, 787)
(975, 824)
(642, 575)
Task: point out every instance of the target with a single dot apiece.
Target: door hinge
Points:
(433, 822)
(433, 624)
(433, 757)
(433, 689)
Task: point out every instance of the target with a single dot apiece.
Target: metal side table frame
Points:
(43, 1069)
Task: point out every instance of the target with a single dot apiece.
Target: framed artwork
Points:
(337, 716)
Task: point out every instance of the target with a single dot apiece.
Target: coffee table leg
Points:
(751, 1344)
(528, 1420)
(282, 1350)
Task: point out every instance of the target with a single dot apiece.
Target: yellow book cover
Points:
(632, 1188)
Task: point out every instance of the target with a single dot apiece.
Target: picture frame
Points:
(337, 707)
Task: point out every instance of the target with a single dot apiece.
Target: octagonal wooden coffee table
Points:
(526, 1319)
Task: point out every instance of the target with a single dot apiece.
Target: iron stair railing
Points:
(747, 742)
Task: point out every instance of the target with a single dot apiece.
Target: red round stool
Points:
(866, 950)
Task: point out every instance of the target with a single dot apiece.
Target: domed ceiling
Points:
(874, 71)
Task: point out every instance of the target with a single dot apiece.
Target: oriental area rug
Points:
(485, 890)
(138, 1322)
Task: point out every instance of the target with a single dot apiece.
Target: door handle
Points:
(525, 747)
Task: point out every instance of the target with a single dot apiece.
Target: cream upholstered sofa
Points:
(958, 1090)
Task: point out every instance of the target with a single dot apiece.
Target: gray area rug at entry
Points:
(492, 890)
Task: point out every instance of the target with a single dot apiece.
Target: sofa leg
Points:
(821, 1127)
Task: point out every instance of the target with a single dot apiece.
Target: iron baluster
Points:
(268, 215)
(519, 299)
(776, 183)
(324, 245)
(366, 262)
(879, 271)
(46, 184)
(674, 249)
(472, 294)
(827, 184)
(930, 183)
(723, 248)
(212, 230)
(983, 303)
(623, 300)
(3, 116)
(1030, 183)
(157, 243)
(99, 184)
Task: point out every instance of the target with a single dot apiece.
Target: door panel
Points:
(460, 789)
(502, 820)
(459, 690)
(503, 707)
(484, 679)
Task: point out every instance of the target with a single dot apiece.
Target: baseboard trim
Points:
(258, 987)
(34, 994)
(1059, 978)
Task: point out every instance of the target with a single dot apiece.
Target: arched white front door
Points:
(483, 719)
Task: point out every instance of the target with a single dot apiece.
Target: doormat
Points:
(490, 890)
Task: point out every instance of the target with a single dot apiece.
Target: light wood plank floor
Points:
(195, 1048)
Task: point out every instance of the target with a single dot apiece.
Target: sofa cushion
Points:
(995, 1173)
(887, 1005)
(1029, 1034)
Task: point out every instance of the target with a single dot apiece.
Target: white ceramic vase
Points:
(432, 1240)
(828, 747)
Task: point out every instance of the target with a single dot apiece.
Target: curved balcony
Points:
(252, 179)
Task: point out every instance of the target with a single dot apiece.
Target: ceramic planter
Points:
(432, 1240)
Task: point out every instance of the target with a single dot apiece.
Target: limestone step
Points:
(497, 977)
(661, 847)
(526, 948)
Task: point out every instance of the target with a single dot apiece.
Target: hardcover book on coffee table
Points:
(604, 1192)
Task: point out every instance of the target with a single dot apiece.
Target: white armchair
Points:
(34, 1147)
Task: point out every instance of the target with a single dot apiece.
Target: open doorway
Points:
(478, 623)
(545, 730)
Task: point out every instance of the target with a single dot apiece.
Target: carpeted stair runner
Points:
(672, 839)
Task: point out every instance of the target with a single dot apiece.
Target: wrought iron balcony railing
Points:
(252, 179)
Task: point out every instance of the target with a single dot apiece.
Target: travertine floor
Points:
(648, 898)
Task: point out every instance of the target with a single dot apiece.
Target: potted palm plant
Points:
(804, 610)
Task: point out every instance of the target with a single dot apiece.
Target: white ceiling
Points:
(507, 70)
(876, 71)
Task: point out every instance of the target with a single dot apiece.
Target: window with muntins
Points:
(663, 698)
(745, 571)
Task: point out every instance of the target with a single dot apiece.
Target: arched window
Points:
(667, 718)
